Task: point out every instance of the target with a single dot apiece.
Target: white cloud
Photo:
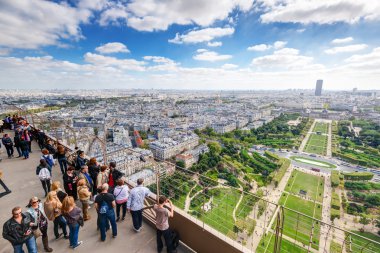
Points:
(112, 47)
(263, 47)
(229, 66)
(260, 47)
(286, 58)
(279, 44)
(214, 44)
(107, 61)
(346, 49)
(317, 11)
(205, 55)
(203, 35)
(34, 23)
(365, 61)
(161, 63)
(342, 40)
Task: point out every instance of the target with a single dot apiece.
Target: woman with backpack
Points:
(43, 172)
(48, 157)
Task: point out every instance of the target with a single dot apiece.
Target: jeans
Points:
(30, 244)
(137, 219)
(74, 232)
(63, 165)
(19, 151)
(123, 206)
(25, 153)
(46, 186)
(103, 222)
(167, 236)
(59, 221)
(9, 150)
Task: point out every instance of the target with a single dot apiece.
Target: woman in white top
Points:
(121, 193)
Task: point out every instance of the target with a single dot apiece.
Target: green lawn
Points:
(317, 144)
(313, 185)
(358, 243)
(286, 246)
(321, 127)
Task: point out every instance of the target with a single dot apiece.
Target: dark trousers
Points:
(30, 146)
(46, 186)
(25, 153)
(137, 219)
(63, 165)
(9, 150)
(104, 226)
(118, 207)
(19, 151)
(59, 221)
(167, 236)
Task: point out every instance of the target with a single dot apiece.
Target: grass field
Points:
(321, 127)
(316, 144)
(358, 243)
(267, 244)
(313, 185)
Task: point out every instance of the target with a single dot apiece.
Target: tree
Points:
(180, 164)
(364, 220)
(215, 147)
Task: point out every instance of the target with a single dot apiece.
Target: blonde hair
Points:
(52, 196)
(81, 182)
(55, 185)
(67, 204)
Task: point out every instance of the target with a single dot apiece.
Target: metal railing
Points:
(248, 220)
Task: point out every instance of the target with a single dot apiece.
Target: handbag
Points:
(36, 233)
(81, 221)
(120, 201)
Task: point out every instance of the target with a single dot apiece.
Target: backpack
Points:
(174, 238)
(44, 174)
(103, 208)
(49, 160)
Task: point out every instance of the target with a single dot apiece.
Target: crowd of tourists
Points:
(84, 183)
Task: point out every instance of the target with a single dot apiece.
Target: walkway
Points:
(304, 141)
(325, 234)
(19, 176)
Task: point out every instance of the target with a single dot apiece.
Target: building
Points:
(168, 147)
(318, 88)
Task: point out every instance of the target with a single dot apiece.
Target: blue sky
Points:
(179, 44)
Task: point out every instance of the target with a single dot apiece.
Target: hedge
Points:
(334, 214)
(335, 201)
(358, 176)
(285, 163)
(335, 178)
(271, 156)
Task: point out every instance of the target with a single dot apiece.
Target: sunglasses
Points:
(17, 213)
(34, 202)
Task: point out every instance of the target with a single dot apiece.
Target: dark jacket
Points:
(17, 140)
(15, 232)
(93, 170)
(39, 167)
(116, 174)
(80, 162)
(24, 145)
(51, 149)
(7, 141)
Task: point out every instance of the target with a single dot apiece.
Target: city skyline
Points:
(213, 45)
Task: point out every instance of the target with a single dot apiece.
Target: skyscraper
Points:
(318, 88)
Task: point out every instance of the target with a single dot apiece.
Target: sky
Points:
(183, 44)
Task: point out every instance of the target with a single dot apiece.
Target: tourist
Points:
(162, 223)
(56, 186)
(48, 157)
(36, 209)
(80, 161)
(102, 176)
(93, 169)
(53, 211)
(74, 219)
(27, 137)
(70, 182)
(1, 126)
(24, 146)
(43, 172)
(104, 204)
(121, 193)
(84, 175)
(8, 144)
(49, 146)
(114, 175)
(61, 157)
(17, 142)
(135, 203)
(18, 231)
(84, 196)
